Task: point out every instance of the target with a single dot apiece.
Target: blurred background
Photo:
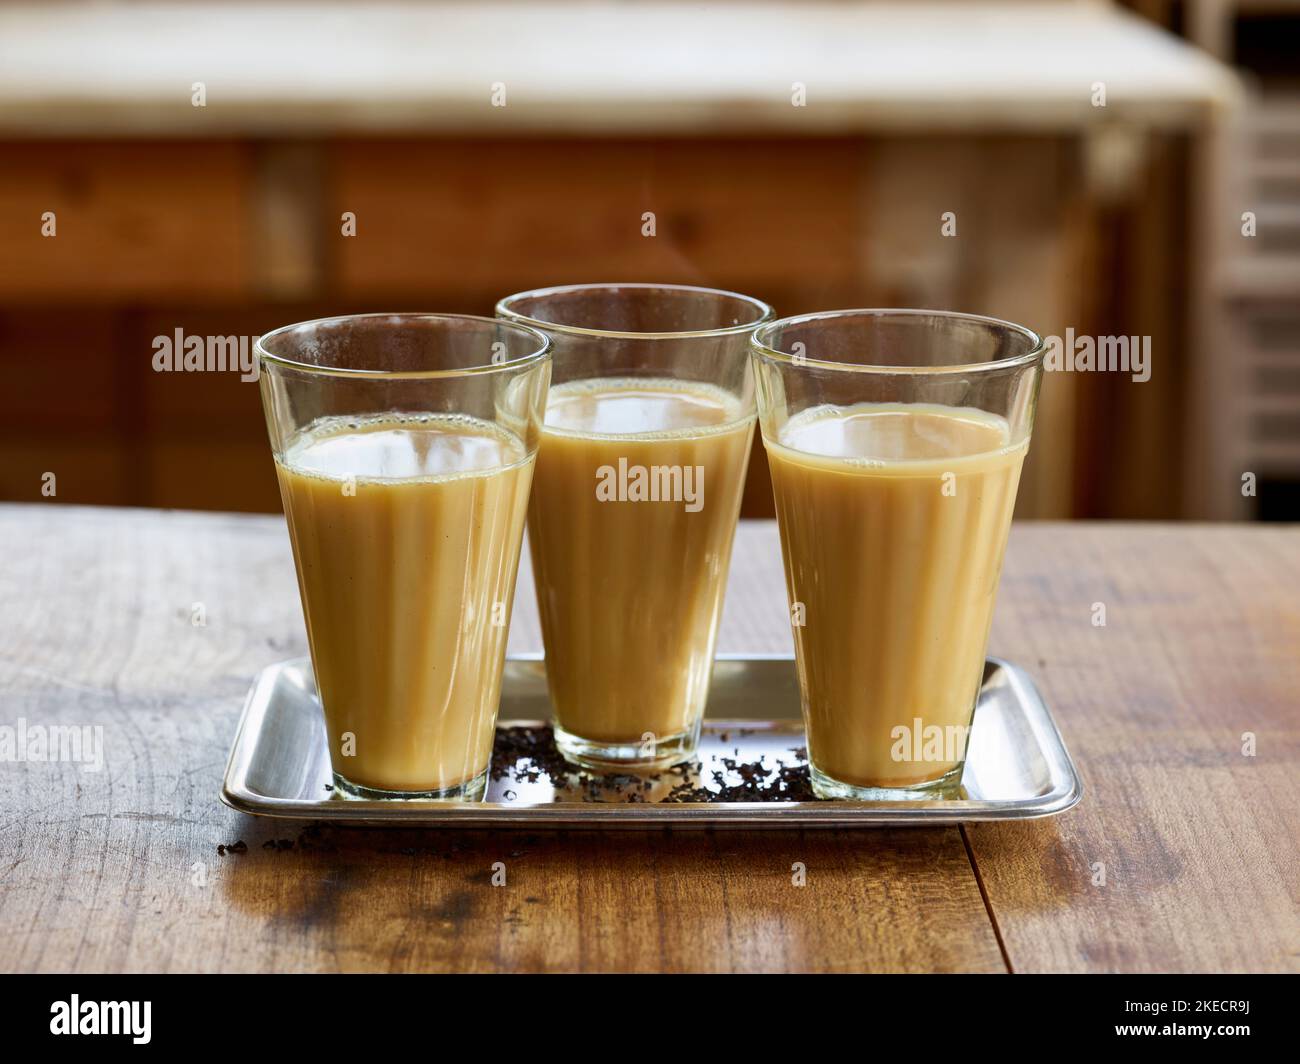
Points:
(1090, 169)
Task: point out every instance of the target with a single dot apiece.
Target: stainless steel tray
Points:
(1017, 766)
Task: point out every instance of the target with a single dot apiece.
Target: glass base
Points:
(469, 791)
(946, 786)
(642, 757)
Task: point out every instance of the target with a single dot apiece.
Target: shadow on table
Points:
(403, 899)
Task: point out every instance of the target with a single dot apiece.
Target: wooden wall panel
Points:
(58, 367)
(147, 221)
(1014, 253)
(62, 390)
(227, 239)
(214, 470)
(769, 218)
(86, 471)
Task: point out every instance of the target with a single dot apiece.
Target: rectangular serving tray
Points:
(1017, 766)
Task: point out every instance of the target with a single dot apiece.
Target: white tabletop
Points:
(121, 69)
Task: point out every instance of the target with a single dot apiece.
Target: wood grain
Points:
(118, 870)
(1201, 844)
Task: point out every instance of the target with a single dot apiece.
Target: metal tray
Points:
(1017, 766)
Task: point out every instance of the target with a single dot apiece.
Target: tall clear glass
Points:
(404, 445)
(639, 478)
(895, 440)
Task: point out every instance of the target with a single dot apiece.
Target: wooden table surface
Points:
(1182, 855)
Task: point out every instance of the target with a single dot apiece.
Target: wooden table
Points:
(119, 869)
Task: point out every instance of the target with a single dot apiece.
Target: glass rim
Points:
(1036, 351)
(503, 308)
(542, 352)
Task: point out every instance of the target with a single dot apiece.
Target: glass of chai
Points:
(642, 464)
(404, 444)
(895, 440)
